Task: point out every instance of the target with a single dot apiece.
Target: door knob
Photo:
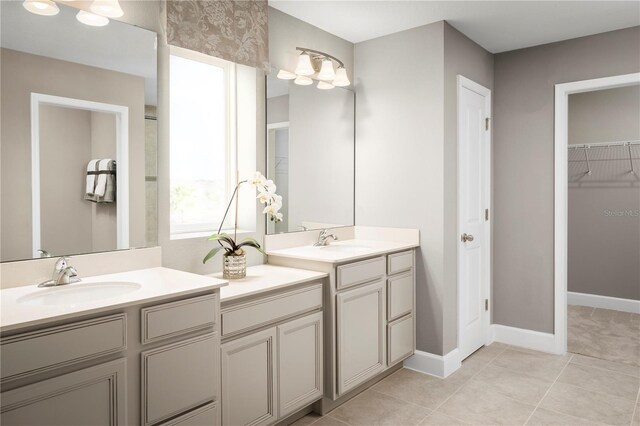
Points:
(466, 237)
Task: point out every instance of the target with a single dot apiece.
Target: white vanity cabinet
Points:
(150, 364)
(271, 354)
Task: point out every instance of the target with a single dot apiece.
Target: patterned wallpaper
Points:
(235, 30)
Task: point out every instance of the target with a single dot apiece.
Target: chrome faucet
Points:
(323, 238)
(63, 273)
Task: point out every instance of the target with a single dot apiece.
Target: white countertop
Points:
(343, 251)
(263, 278)
(152, 284)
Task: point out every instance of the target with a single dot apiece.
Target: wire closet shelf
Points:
(605, 145)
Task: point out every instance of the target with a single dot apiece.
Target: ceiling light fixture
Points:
(92, 19)
(309, 61)
(41, 7)
(108, 8)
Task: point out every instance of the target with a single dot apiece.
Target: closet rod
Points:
(605, 144)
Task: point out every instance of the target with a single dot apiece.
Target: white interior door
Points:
(474, 103)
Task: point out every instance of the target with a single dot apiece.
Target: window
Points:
(202, 147)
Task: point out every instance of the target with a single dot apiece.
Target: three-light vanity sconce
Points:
(308, 62)
(101, 11)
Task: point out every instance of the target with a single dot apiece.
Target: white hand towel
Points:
(91, 178)
(101, 185)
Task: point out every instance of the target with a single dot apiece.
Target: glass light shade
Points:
(108, 8)
(92, 19)
(341, 78)
(325, 85)
(326, 72)
(41, 7)
(304, 65)
(303, 81)
(286, 75)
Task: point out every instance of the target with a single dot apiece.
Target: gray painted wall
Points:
(523, 164)
(406, 149)
(604, 248)
(462, 56)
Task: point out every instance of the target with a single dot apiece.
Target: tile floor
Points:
(599, 383)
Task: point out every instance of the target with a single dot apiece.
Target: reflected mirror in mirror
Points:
(310, 154)
(78, 135)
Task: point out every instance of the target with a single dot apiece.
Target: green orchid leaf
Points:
(225, 238)
(250, 242)
(211, 253)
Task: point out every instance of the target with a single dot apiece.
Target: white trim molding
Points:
(561, 190)
(523, 338)
(604, 302)
(434, 365)
(122, 161)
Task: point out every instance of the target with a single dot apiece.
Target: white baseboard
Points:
(536, 340)
(604, 302)
(434, 365)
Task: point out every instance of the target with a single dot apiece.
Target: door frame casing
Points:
(122, 161)
(486, 275)
(561, 192)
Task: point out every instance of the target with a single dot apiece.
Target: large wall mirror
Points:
(310, 154)
(78, 135)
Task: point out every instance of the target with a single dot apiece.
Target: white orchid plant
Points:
(272, 204)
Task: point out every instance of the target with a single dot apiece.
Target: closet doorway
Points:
(597, 218)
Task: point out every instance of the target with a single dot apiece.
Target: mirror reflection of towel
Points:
(105, 181)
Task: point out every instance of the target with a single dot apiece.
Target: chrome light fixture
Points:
(108, 8)
(309, 62)
(41, 7)
(92, 19)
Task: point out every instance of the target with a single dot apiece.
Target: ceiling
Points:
(117, 46)
(498, 26)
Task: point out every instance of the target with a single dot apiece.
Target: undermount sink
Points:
(80, 293)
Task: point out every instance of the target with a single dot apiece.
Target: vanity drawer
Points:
(206, 415)
(267, 310)
(400, 339)
(176, 318)
(400, 295)
(179, 377)
(63, 345)
(360, 272)
(399, 262)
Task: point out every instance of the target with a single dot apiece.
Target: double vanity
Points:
(157, 346)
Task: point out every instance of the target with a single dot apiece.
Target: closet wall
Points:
(604, 207)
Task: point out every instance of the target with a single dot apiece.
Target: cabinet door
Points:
(360, 335)
(93, 396)
(249, 379)
(300, 363)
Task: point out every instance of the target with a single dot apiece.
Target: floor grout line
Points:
(467, 381)
(549, 390)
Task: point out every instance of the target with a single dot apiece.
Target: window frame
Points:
(181, 231)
